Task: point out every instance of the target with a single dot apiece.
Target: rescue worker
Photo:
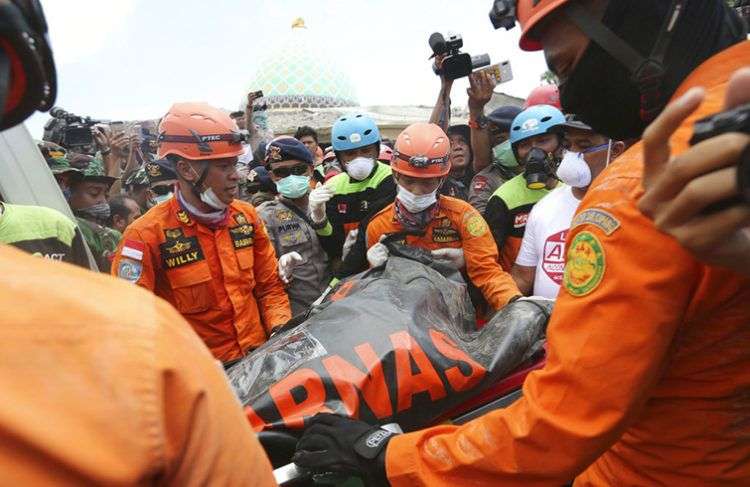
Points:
(88, 200)
(204, 251)
(448, 227)
(42, 232)
(536, 139)
(539, 267)
(365, 186)
(646, 376)
(303, 264)
(138, 399)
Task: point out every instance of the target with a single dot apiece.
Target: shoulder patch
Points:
(480, 183)
(130, 270)
(585, 265)
(476, 226)
(601, 219)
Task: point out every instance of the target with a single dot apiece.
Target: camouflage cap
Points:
(138, 178)
(95, 172)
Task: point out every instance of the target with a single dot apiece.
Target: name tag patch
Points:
(179, 250)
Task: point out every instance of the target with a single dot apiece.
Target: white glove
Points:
(452, 257)
(377, 255)
(351, 238)
(287, 263)
(317, 202)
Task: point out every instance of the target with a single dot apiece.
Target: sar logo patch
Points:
(130, 270)
(585, 265)
(601, 219)
(476, 226)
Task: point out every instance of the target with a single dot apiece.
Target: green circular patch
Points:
(585, 266)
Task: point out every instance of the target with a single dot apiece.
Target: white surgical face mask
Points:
(416, 203)
(161, 198)
(209, 197)
(575, 171)
(360, 168)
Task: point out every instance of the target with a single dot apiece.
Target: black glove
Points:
(336, 444)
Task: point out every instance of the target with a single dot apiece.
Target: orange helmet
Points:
(544, 95)
(422, 151)
(199, 131)
(530, 13)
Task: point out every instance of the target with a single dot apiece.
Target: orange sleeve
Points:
(128, 266)
(207, 439)
(273, 301)
(480, 253)
(604, 356)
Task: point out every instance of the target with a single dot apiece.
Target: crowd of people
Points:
(231, 231)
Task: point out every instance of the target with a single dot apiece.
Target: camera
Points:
(734, 120)
(456, 64)
(70, 131)
(503, 14)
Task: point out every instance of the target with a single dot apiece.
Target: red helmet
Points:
(544, 95)
(198, 131)
(386, 154)
(422, 151)
(530, 13)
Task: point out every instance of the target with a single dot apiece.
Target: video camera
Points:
(456, 64)
(734, 120)
(72, 131)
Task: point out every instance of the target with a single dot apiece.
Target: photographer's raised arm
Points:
(481, 86)
(441, 114)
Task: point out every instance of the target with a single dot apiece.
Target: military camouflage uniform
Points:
(289, 231)
(102, 241)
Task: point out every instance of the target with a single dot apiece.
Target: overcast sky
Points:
(131, 59)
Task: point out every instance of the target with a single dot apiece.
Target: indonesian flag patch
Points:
(133, 249)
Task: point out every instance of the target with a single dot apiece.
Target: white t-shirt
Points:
(543, 244)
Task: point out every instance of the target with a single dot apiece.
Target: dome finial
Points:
(299, 23)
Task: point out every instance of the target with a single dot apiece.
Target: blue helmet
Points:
(536, 120)
(354, 131)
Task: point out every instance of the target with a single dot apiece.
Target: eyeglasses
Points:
(297, 170)
(162, 189)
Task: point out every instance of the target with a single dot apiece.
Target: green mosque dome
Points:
(300, 73)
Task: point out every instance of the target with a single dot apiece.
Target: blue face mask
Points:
(293, 187)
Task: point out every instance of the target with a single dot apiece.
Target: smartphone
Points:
(116, 127)
(258, 94)
(500, 72)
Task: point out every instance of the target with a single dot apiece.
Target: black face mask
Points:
(613, 107)
(538, 168)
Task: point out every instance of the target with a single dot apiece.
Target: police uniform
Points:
(222, 280)
(290, 231)
(485, 183)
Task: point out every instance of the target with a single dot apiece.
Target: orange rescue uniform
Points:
(647, 380)
(223, 281)
(105, 384)
(457, 225)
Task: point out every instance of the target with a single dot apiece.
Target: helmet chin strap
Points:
(609, 153)
(201, 179)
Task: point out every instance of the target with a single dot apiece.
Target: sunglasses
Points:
(296, 170)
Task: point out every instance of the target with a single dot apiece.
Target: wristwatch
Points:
(480, 123)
